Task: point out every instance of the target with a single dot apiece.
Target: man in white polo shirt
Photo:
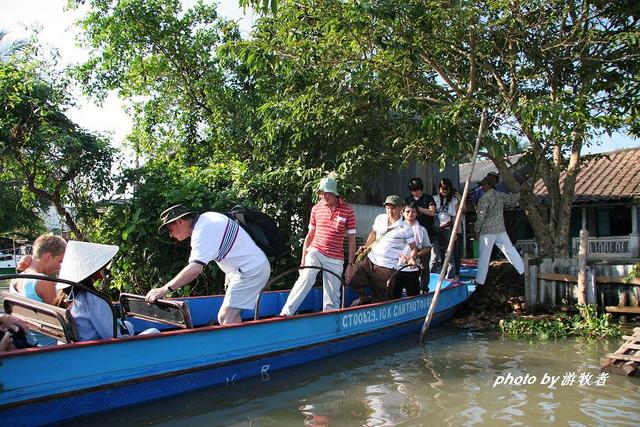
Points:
(388, 238)
(330, 219)
(215, 237)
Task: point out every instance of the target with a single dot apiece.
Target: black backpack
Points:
(262, 229)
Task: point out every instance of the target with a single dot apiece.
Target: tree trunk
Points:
(551, 229)
(56, 201)
(68, 219)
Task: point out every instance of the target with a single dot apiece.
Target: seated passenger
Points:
(9, 326)
(387, 240)
(409, 277)
(48, 251)
(85, 263)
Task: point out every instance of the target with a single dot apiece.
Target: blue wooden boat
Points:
(53, 384)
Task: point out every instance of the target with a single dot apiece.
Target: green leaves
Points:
(587, 323)
(51, 158)
(352, 87)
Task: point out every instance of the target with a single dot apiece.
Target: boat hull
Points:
(106, 375)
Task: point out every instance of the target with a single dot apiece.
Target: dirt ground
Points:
(502, 296)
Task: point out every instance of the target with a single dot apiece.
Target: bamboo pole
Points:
(452, 240)
(583, 254)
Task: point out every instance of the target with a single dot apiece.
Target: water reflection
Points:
(450, 381)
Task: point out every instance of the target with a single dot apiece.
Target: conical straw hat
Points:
(82, 259)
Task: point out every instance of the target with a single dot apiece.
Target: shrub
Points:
(586, 323)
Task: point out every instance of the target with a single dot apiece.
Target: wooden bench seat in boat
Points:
(168, 312)
(47, 319)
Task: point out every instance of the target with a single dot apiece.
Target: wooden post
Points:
(583, 253)
(527, 281)
(551, 284)
(533, 296)
(591, 286)
(622, 295)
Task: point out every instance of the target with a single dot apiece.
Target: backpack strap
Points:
(228, 239)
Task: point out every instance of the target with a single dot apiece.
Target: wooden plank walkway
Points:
(626, 360)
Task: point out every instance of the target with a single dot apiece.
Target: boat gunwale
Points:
(205, 329)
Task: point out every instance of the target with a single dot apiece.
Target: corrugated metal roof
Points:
(607, 176)
(481, 170)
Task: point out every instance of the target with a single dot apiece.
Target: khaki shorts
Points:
(243, 287)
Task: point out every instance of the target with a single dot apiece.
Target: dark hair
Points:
(415, 184)
(413, 205)
(491, 180)
(446, 182)
(89, 282)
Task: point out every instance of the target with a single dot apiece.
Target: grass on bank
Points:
(586, 323)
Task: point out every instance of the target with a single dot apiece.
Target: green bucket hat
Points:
(393, 200)
(328, 185)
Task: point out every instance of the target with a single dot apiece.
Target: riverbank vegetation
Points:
(586, 323)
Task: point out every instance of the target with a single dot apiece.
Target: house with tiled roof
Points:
(606, 203)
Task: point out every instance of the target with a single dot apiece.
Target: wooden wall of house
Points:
(395, 182)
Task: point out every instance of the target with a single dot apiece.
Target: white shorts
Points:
(243, 287)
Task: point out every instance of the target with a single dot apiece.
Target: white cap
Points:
(82, 259)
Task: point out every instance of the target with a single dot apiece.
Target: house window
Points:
(614, 220)
(620, 217)
(602, 218)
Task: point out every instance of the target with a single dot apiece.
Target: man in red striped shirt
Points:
(323, 247)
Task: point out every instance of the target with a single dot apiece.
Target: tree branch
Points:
(443, 74)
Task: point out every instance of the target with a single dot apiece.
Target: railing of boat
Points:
(84, 287)
(166, 311)
(395, 273)
(256, 313)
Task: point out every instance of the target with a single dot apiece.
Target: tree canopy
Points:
(50, 158)
(554, 74)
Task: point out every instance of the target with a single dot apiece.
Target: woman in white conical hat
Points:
(84, 263)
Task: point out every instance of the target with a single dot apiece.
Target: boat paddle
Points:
(452, 240)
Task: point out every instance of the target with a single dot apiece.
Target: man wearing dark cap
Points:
(479, 192)
(426, 212)
(388, 238)
(215, 237)
(426, 205)
(491, 230)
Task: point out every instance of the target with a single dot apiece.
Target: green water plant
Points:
(633, 274)
(586, 323)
